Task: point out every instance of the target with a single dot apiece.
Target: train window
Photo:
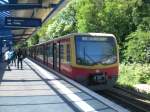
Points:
(40, 54)
(37, 51)
(68, 53)
(95, 50)
(46, 50)
(50, 51)
(62, 52)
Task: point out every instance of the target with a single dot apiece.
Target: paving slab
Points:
(24, 91)
(34, 89)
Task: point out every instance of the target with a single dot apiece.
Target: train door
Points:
(56, 56)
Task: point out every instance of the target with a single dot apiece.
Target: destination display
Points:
(22, 22)
(94, 38)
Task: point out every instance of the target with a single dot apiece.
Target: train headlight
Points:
(109, 60)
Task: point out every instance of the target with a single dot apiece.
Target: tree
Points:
(136, 45)
(63, 23)
(33, 40)
(87, 15)
(141, 13)
(116, 18)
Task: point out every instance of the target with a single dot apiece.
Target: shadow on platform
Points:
(2, 70)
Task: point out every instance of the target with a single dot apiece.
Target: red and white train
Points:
(89, 58)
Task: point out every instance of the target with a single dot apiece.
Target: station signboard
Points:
(22, 22)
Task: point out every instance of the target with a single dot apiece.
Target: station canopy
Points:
(20, 19)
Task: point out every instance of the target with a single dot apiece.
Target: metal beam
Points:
(19, 35)
(13, 28)
(19, 38)
(53, 5)
(54, 9)
(12, 1)
(6, 7)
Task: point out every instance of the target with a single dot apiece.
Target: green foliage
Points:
(116, 18)
(33, 40)
(119, 17)
(128, 20)
(21, 45)
(136, 45)
(87, 15)
(43, 29)
(63, 23)
(141, 11)
(145, 24)
(132, 74)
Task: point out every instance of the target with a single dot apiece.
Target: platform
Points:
(35, 89)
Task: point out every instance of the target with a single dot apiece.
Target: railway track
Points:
(129, 100)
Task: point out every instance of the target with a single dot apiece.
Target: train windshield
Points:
(95, 50)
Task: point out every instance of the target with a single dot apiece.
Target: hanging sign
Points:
(22, 22)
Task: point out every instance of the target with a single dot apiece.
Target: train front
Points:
(96, 60)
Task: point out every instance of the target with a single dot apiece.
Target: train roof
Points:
(74, 34)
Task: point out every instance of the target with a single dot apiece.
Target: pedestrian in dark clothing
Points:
(14, 57)
(19, 58)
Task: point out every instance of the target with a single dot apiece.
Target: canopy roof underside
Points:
(46, 10)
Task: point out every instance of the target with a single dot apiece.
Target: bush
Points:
(132, 74)
(136, 45)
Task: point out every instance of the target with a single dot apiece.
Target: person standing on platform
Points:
(13, 60)
(7, 57)
(19, 58)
